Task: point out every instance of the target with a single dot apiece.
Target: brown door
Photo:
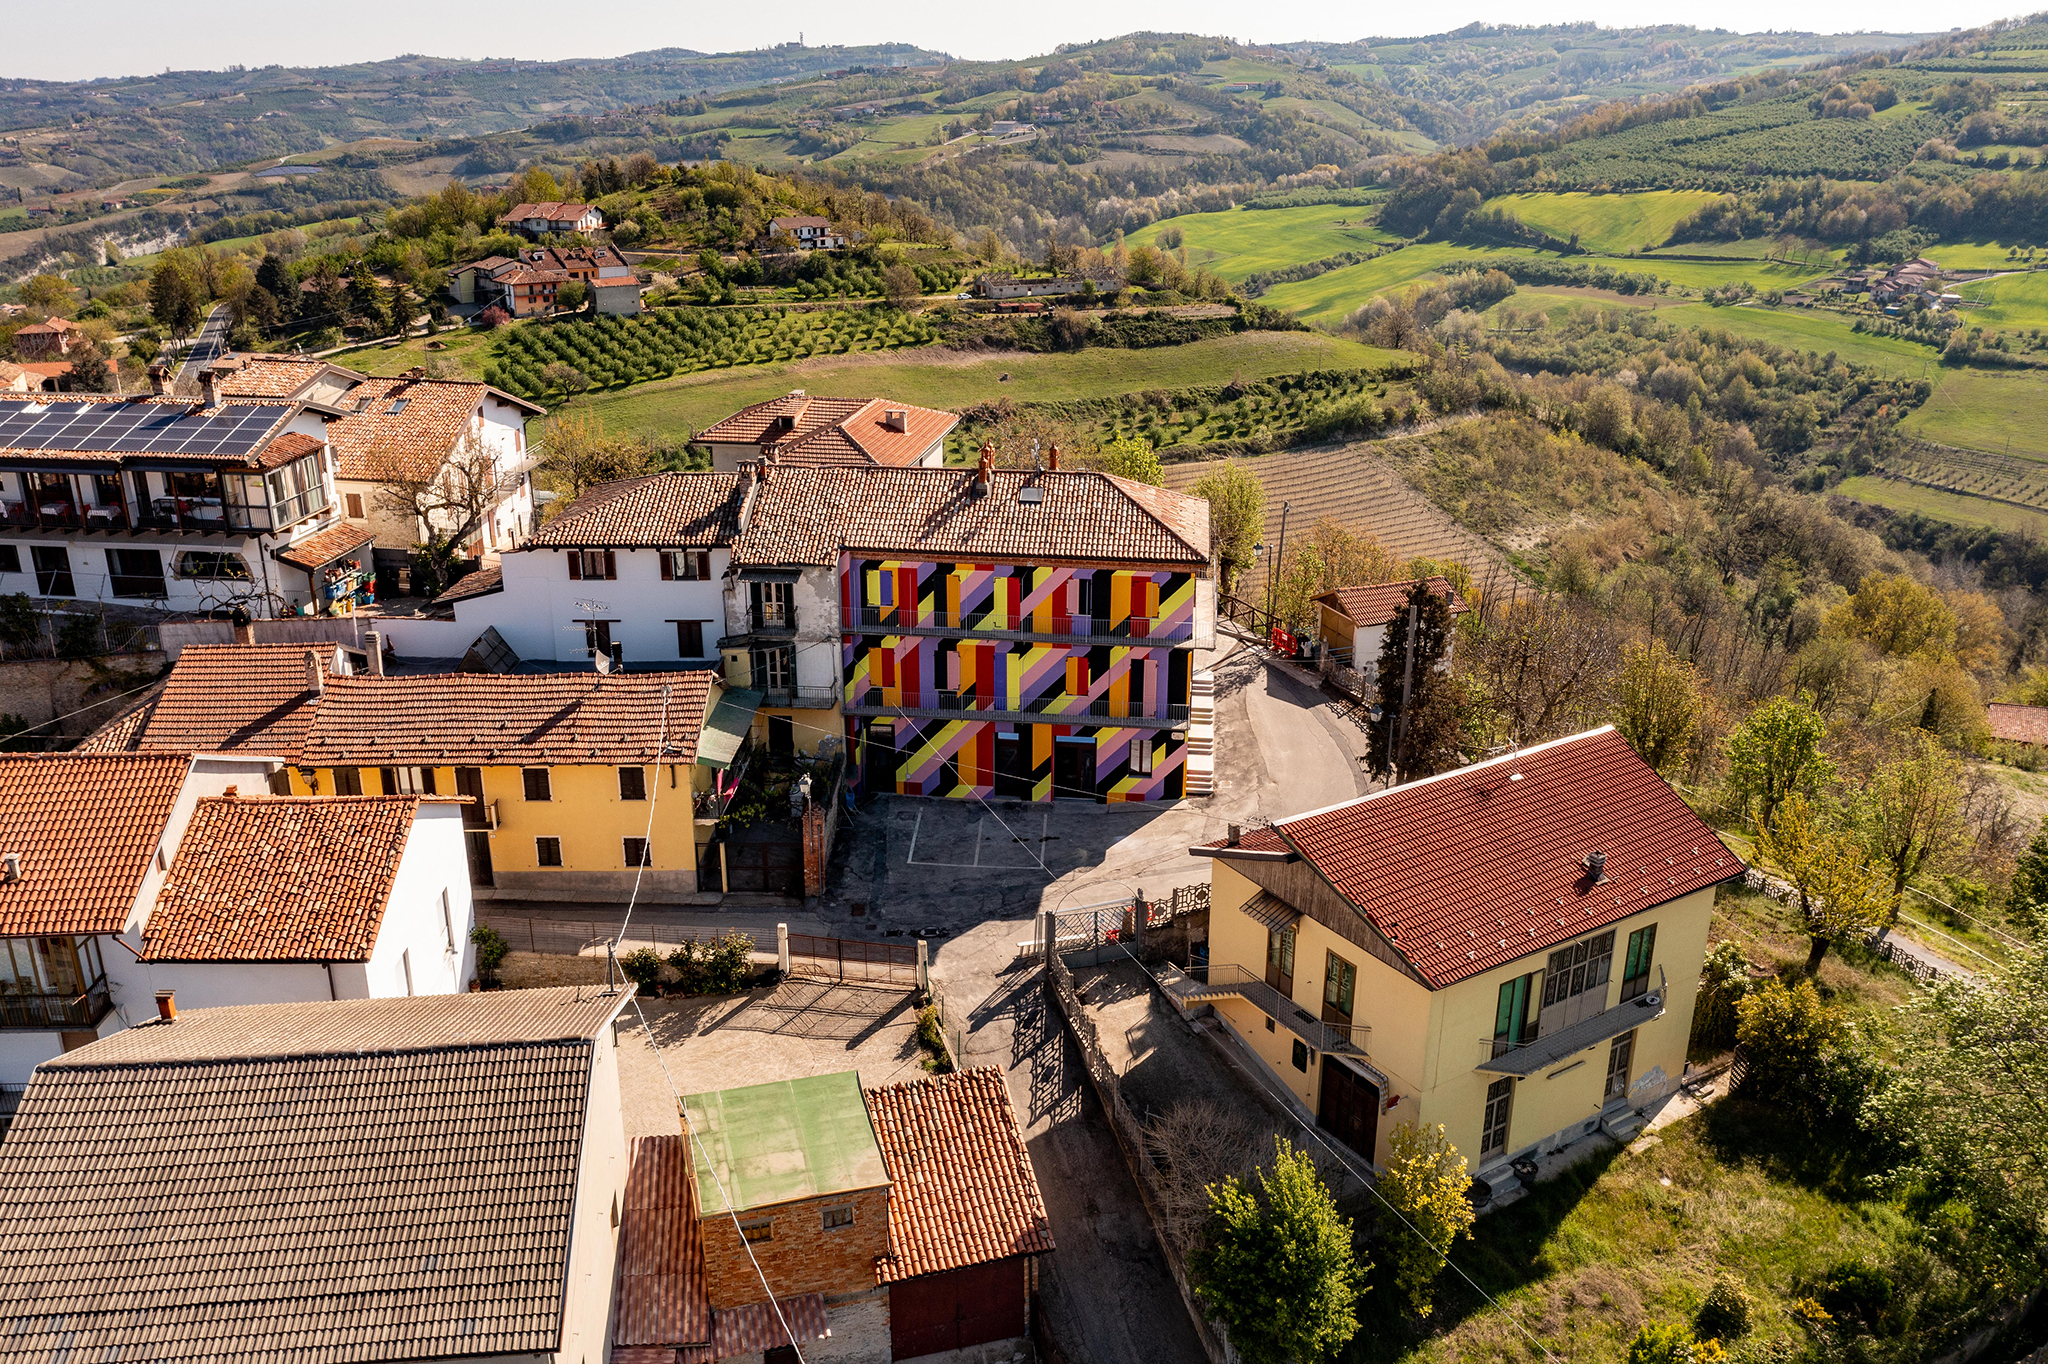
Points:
(1073, 770)
(1350, 1108)
(954, 1310)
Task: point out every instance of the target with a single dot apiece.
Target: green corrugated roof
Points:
(789, 1139)
(725, 728)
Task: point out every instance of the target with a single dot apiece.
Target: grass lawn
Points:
(2012, 301)
(1608, 222)
(466, 347)
(1243, 241)
(947, 379)
(1971, 255)
(1986, 409)
(1959, 508)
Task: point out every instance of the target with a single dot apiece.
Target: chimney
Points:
(209, 386)
(159, 378)
(985, 474)
(167, 1005)
(315, 685)
(1596, 867)
(10, 869)
(231, 793)
(896, 419)
(245, 629)
(373, 640)
(1236, 835)
(1052, 460)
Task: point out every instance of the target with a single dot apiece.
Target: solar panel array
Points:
(137, 429)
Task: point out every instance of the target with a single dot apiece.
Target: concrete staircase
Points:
(1200, 779)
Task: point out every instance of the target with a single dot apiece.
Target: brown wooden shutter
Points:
(387, 779)
(704, 565)
(668, 566)
(611, 566)
(575, 564)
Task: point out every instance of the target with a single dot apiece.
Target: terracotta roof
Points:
(1378, 603)
(833, 430)
(1466, 871)
(119, 734)
(283, 449)
(280, 879)
(552, 209)
(272, 376)
(369, 442)
(49, 369)
(800, 220)
(673, 510)
(86, 827)
(323, 547)
(304, 1181)
(484, 581)
(500, 719)
(225, 697)
(961, 1189)
(807, 515)
(50, 326)
(2018, 724)
(661, 1297)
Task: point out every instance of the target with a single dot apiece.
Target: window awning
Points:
(726, 727)
(1271, 912)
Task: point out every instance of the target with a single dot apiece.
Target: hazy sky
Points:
(85, 38)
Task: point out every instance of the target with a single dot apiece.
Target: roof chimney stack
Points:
(209, 386)
(896, 419)
(1234, 837)
(159, 378)
(373, 641)
(1596, 867)
(245, 629)
(315, 685)
(985, 474)
(167, 1005)
(1052, 460)
(10, 868)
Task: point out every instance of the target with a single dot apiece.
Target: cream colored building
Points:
(1511, 950)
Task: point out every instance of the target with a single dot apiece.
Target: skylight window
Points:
(399, 406)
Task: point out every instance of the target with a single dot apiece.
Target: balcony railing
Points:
(1228, 978)
(55, 1011)
(1056, 704)
(799, 697)
(1080, 627)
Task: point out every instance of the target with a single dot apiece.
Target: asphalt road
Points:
(209, 345)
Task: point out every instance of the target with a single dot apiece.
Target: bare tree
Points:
(1193, 1145)
(577, 454)
(445, 505)
(1547, 666)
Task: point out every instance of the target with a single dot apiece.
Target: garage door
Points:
(964, 1307)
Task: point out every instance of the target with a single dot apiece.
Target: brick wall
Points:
(801, 1256)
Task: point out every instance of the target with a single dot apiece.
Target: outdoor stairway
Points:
(1200, 778)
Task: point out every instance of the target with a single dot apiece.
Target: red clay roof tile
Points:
(86, 827)
(1378, 603)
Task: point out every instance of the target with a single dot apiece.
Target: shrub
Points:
(643, 967)
(1785, 1035)
(492, 318)
(1724, 982)
(1666, 1342)
(1725, 1313)
(931, 1035)
(491, 948)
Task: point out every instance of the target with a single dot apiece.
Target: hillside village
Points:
(821, 734)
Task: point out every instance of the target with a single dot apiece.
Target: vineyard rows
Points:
(2005, 477)
(612, 352)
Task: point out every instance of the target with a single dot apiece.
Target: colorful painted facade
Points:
(1017, 681)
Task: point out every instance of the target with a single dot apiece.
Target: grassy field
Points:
(2018, 301)
(952, 380)
(1997, 410)
(1327, 298)
(1811, 330)
(1754, 248)
(1244, 241)
(1958, 508)
(1703, 275)
(1971, 255)
(1608, 222)
(470, 349)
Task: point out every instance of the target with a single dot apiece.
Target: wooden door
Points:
(957, 1309)
(1350, 1107)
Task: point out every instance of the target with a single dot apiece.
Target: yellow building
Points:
(581, 781)
(1510, 949)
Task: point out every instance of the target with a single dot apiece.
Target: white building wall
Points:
(22, 1052)
(541, 608)
(414, 930)
(600, 1195)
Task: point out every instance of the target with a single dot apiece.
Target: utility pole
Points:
(1407, 686)
(1273, 567)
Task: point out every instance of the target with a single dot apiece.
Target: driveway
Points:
(209, 345)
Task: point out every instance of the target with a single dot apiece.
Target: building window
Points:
(1301, 1056)
(536, 781)
(297, 491)
(632, 783)
(1511, 1025)
(838, 1218)
(348, 781)
(592, 563)
(597, 637)
(547, 852)
(1280, 961)
(774, 669)
(212, 566)
(408, 781)
(1575, 980)
(686, 565)
(136, 572)
(1340, 984)
(1619, 1053)
(1493, 1131)
(763, 1230)
(53, 571)
(10, 559)
(639, 853)
(772, 609)
(1635, 969)
(690, 639)
(1141, 757)
(355, 506)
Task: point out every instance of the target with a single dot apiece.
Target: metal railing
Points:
(56, 1010)
(798, 696)
(1057, 703)
(1079, 627)
(1231, 978)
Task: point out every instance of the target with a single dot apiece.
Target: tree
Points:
(1415, 689)
(1898, 616)
(1278, 1270)
(491, 950)
(365, 304)
(2027, 899)
(1424, 1184)
(1134, 459)
(1911, 811)
(1785, 1033)
(403, 308)
(576, 454)
(174, 298)
(1657, 703)
(444, 505)
(900, 286)
(1839, 898)
(1776, 753)
(274, 277)
(1330, 556)
(90, 372)
(1545, 665)
(1237, 514)
(45, 293)
(571, 297)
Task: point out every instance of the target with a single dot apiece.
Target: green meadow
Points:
(1616, 223)
(1244, 241)
(1999, 410)
(2010, 301)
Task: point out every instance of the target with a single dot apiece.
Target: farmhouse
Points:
(1352, 621)
(810, 233)
(526, 284)
(800, 429)
(45, 340)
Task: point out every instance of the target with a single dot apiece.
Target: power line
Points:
(646, 843)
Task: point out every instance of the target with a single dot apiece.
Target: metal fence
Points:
(587, 937)
(871, 963)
